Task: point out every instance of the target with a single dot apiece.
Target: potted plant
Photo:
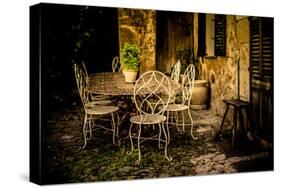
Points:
(130, 61)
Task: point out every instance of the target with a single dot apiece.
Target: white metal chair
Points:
(150, 85)
(97, 99)
(116, 65)
(93, 111)
(175, 75)
(172, 110)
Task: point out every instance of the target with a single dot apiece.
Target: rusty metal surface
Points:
(110, 83)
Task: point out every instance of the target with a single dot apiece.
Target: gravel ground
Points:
(103, 161)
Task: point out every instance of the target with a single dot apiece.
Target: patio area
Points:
(215, 61)
(103, 161)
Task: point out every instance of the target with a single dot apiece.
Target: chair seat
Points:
(102, 110)
(165, 100)
(101, 97)
(101, 102)
(175, 107)
(148, 119)
(172, 100)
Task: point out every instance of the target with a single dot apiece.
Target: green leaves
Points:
(130, 56)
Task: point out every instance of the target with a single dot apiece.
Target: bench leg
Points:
(234, 127)
(222, 122)
(242, 125)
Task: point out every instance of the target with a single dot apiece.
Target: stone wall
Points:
(221, 72)
(139, 26)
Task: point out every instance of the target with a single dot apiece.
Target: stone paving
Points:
(103, 161)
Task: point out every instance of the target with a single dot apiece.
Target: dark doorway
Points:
(174, 34)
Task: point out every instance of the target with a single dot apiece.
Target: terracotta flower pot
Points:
(130, 75)
(200, 95)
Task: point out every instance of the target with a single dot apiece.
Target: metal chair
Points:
(175, 75)
(116, 65)
(172, 110)
(93, 111)
(97, 99)
(150, 85)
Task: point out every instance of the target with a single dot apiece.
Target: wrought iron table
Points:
(113, 84)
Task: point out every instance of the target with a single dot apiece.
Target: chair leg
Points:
(167, 118)
(176, 120)
(85, 131)
(159, 138)
(166, 141)
(117, 125)
(183, 118)
(131, 139)
(139, 134)
(169, 137)
(90, 127)
(113, 127)
(191, 121)
(168, 133)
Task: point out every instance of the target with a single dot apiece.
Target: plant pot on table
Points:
(130, 75)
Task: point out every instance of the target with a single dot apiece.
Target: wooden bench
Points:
(237, 105)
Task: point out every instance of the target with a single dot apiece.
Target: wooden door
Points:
(174, 34)
(261, 76)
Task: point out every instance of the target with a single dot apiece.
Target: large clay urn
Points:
(200, 95)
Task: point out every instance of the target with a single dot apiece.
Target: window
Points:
(211, 35)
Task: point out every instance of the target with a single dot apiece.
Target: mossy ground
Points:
(103, 161)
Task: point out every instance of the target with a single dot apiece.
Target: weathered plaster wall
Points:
(243, 42)
(139, 27)
(221, 72)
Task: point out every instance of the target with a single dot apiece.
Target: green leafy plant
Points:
(130, 57)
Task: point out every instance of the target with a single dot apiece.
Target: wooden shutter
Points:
(261, 75)
(261, 45)
(220, 35)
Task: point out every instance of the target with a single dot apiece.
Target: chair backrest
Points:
(148, 90)
(116, 65)
(81, 81)
(187, 84)
(84, 69)
(175, 75)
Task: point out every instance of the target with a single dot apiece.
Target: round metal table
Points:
(113, 84)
